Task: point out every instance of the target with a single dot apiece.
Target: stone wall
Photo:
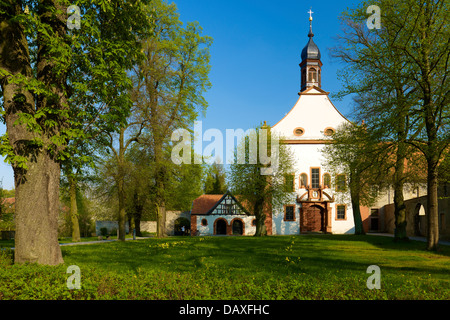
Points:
(416, 220)
(109, 225)
(148, 226)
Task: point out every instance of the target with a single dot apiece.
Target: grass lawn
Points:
(277, 267)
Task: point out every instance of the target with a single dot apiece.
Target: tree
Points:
(35, 106)
(353, 155)
(247, 181)
(138, 185)
(185, 184)
(215, 180)
(169, 84)
(75, 197)
(119, 147)
(40, 69)
(406, 58)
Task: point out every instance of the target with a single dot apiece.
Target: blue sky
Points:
(254, 58)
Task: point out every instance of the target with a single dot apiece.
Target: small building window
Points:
(254, 222)
(204, 222)
(312, 75)
(289, 212)
(341, 213)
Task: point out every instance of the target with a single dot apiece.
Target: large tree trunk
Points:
(399, 213)
(399, 203)
(399, 174)
(37, 210)
(120, 180)
(432, 206)
(430, 113)
(36, 172)
(74, 209)
(122, 213)
(355, 188)
(260, 216)
(160, 205)
(160, 180)
(137, 214)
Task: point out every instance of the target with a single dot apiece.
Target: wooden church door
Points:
(314, 219)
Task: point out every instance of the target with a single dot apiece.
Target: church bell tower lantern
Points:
(310, 67)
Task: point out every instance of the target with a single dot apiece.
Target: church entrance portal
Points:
(314, 219)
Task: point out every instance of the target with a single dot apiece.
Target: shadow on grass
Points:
(278, 256)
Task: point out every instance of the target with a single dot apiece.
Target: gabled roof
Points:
(206, 203)
(313, 113)
(313, 90)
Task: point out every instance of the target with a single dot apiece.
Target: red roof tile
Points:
(204, 203)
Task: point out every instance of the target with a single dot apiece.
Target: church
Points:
(307, 127)
(315, 204)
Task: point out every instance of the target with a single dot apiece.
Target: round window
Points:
(328, 131)
(299, 131)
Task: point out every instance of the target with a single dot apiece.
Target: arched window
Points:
(237, 227)
(312, 75)
(326, 180)
(303, 180)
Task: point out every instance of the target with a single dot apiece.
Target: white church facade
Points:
(315, 206)
(307, 128)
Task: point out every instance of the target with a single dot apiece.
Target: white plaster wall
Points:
(281, 227)
(342, 226)
(313, 113)
(209, 229)
(307, 156)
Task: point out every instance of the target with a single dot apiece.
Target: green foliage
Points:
(353, 159)
(399, 72)
(246, 178)
(215, 180)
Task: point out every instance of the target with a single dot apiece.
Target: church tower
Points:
(310, 67)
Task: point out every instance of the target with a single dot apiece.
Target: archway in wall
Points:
(419, 216)
(179, 224)
(238, 227)
(220, 226)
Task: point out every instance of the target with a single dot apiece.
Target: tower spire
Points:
(311, 65)
(310, 34)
